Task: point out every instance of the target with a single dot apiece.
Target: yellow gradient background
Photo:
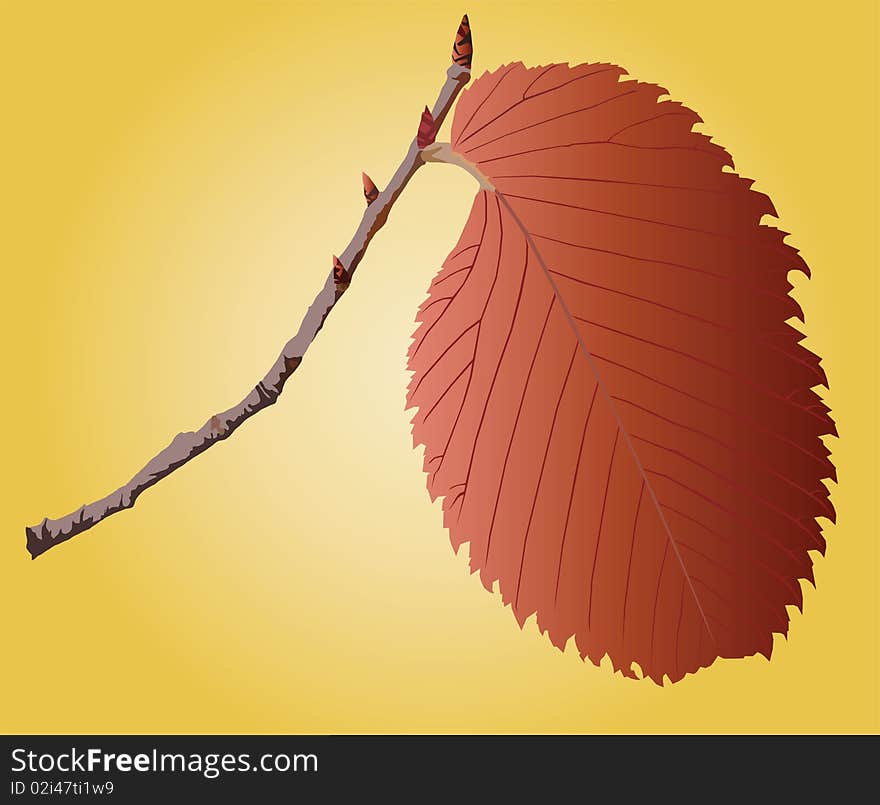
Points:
(175, 179)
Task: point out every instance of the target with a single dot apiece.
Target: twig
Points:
(188, 445)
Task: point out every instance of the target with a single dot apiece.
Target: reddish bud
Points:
(463, 50)
(340, 275)
(427, 129)
(371, 192)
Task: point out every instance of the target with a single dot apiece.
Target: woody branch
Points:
(187, 445)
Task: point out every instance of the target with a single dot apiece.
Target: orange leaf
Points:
(618, 417)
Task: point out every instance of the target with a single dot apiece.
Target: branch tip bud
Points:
(463, 49)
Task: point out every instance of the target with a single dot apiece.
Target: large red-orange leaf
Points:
(613, 407)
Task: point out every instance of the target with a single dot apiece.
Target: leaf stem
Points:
(442, 152)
